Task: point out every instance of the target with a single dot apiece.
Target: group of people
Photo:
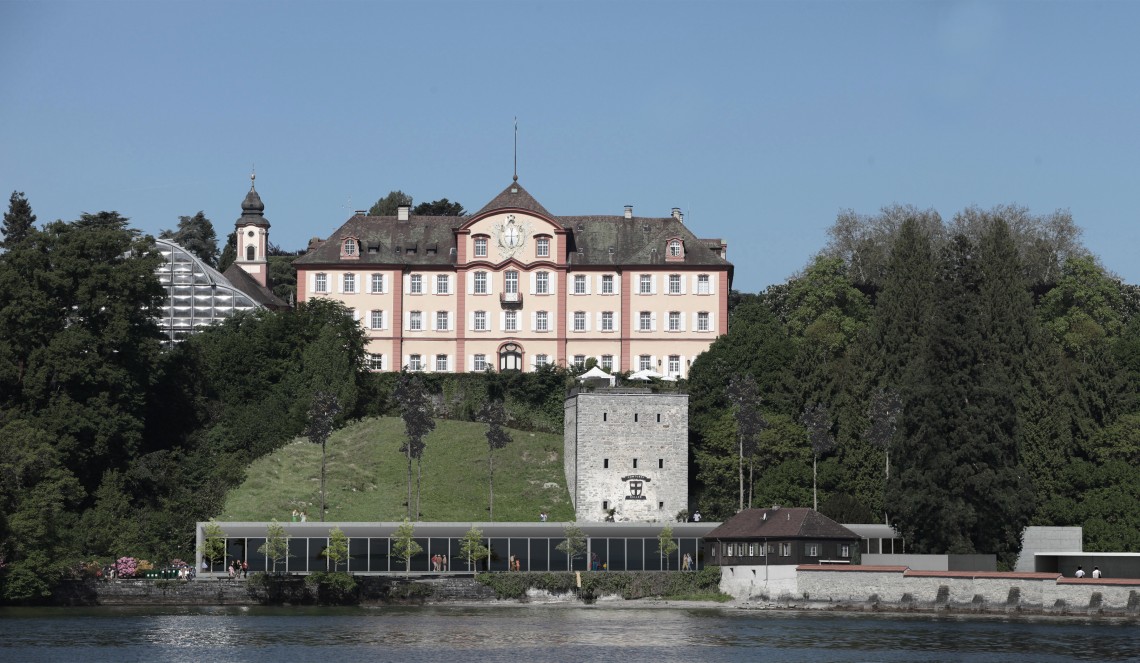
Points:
(543, 517)
(597, 564)
(1095, 572)
(514, 563)
(299, 516)
(239, 569)
(439, 562)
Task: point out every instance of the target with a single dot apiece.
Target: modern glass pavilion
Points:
(197, 294)
(622, 546)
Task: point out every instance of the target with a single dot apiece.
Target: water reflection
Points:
(547, 633)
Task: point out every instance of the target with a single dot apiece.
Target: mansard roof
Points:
(591, 240)
(780, 523)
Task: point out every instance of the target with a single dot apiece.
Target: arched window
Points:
(250, 252)
(674, 248)
(510, 357)
(350, 247)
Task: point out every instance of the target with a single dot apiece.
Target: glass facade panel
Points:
(540, 555)
(521, 550)
(357, 556)
(557, 557)
(499, 556)
(235, 549)
(421, 561)
(689, 546)
(634, 555)
(197, 294)
(297, 562)
(616, 559)
(257, 561)
(317, 559)
(437, 546)
(378, 561)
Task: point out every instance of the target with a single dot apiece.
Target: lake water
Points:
(553, 633)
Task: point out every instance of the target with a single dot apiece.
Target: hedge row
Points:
(626, 584)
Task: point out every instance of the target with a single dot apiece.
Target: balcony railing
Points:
(510, 299)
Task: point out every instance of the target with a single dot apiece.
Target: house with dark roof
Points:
(780, 536)
(514, 286)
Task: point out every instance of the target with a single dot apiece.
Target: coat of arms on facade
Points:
(511, 236)
(636, 486)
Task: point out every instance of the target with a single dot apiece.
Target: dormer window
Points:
(542, 247)
(349, 247)
(674, 249)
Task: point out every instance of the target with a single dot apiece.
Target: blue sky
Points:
(761, 120)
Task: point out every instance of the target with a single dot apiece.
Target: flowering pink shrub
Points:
(177, 562)
(126, 567)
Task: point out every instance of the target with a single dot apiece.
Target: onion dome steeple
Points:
(252, 208)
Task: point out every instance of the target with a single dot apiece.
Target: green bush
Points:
(630, 585)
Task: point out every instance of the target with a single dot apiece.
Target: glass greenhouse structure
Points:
(197, 294)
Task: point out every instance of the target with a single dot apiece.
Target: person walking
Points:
(245, 568)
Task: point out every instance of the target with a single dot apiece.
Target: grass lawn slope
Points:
(366, 477)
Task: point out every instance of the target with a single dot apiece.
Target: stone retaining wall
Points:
(287, 590)
(899, 588)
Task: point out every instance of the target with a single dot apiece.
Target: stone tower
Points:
(627, 450)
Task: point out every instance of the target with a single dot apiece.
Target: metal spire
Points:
(516, 148)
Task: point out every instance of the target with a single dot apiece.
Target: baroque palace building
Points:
(515, 287)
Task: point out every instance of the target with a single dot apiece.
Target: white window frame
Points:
(511, 282)
(511, 321)
(607, 321)
(579, 361)
(415, 321)
(349, 247)
(377, 284)
(415, 363)
(580, 284)
(674, 284)
(607, 363)
(607, 284)
(349, 283)
(645, 362)
(542, 283)
(416, 284)
(542, 247)
(479, 363)
(441, 363)
(541, 321)
(704, 287)
(480, 287)
(674, 364)
(442, 320)
(321, 282)
(376, 319)
(645, 284)
(480, 247)
(442, 284)
(674, 321)
(375, 362)
(579, 321)
(644, 321)
(704, 323)
(674, 248)
(541, 360)
(479, 323)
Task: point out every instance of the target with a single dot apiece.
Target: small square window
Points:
(605, 463)
(660, 463)
(635, 463)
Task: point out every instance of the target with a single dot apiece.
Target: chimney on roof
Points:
(402, 212)
(361, 212)
(629, 211)
(677, 214)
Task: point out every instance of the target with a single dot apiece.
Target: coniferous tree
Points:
(18, 220)
(196, 235)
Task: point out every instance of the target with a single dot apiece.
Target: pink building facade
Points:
(515, 287)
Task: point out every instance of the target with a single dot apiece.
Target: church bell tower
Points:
(253, 236)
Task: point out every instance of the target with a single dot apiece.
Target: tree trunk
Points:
(409, 512)
(814, 495)
(323, 457)
(491, 504)
(750, 482)
(741, 465)
(419, 476)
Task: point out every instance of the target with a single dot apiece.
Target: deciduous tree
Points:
(196, 235)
